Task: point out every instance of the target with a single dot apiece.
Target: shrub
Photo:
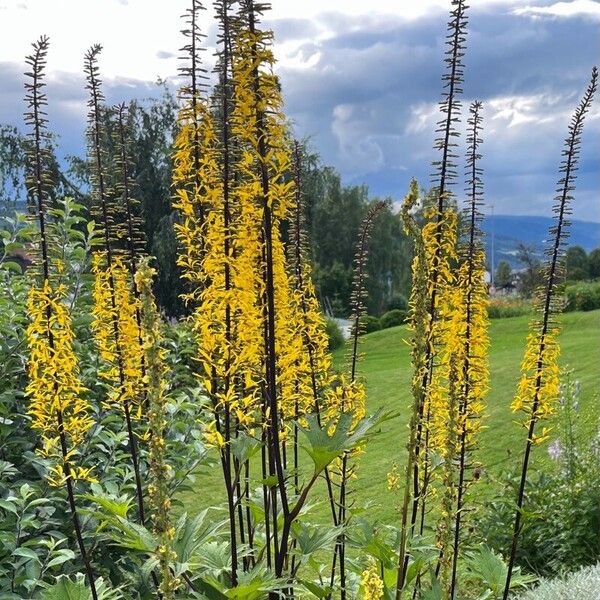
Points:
(370, 324)
(398, 302)
(562, 506)
(582, 585)
(393, 318)
(335, 335)
(502, 308)
(582, 296)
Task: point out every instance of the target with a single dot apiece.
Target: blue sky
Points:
(361, 79)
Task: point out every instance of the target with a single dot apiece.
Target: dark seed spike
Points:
(37, 179)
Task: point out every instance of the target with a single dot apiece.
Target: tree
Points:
(531, 276)
(577, 264)
(594, 263)
(333, 213)
(502, 277)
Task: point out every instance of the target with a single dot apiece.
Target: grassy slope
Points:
(386, 370)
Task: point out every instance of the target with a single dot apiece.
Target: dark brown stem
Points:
(566, 186)
(271, 359)
(36, 99)
(73, 507)
(451, 107)
(299, 263)
(474, 182)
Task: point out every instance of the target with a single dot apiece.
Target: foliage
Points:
(503, 308)
(369, 324)
(334, 335)
(582, 296)
(502, 276)
(576, 264)
(530, 276)
(393, 318)
(594, 263)
(563, 502)
(580, 585)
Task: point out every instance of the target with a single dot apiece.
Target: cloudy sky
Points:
(361, 79)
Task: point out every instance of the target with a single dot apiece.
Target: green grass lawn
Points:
(386, 371)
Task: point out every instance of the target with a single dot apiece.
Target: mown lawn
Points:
(386, 370)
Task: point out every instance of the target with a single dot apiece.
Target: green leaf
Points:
(116, 506)
(316, 590)
(209, 590)
(324, 448)
(9, 506)
(245, 447)
(65, 589)
(26, 553)
(62, 557)
(13, 266)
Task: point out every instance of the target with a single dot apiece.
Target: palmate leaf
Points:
(488, 568)
(120, 530)
(324, 448)
(253, 585)
(67, 589)
(115, 506)
(316, 590)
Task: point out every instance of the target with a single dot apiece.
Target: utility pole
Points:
(493, 250)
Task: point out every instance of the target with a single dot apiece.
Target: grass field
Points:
(386, 371)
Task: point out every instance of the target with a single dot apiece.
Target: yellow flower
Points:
(57, 403)
(117, 333)
(393, 479)
(538, 389)
(371, 584)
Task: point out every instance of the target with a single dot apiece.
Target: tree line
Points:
(333, 210)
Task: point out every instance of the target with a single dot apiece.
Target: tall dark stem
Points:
(132, 231)
(271, 359)
(358, 312)
(445, 173)
(565, 187)
(106, 210)
(299, 258)
(36, 117)
(474, 190)
(222, 7)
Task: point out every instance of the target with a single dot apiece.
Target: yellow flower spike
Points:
(54, 387)
(120, 352)
(371, 584)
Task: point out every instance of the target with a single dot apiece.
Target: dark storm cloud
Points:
(377, 76)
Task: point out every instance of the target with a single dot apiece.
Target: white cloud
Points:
(359, 152)
(563, 9)
(514, 111)
(133, 32)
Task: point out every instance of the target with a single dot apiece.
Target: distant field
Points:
(386, 370)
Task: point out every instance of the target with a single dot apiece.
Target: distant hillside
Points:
(509, 231)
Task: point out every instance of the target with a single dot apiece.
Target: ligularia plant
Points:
(538, 389)
(58, 407)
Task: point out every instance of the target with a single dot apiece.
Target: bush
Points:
(393, 318)
(502, 308)
(560, 530)
(334, 334)
(582, 585)
(582, 296)
(398, 303)
(370, 324)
